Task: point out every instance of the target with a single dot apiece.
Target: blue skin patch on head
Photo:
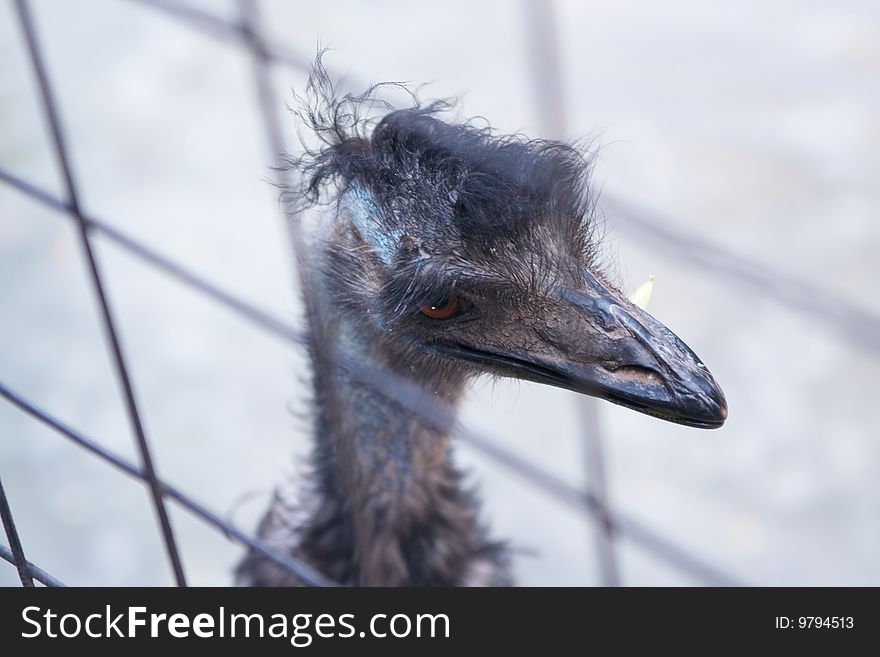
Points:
(365, 215)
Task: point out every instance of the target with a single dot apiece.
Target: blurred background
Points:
(739, 162)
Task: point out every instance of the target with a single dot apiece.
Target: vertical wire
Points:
(61, 152)
(546, 74)
(321, 347)
(595, 468)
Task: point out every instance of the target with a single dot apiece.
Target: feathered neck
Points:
(384, 505)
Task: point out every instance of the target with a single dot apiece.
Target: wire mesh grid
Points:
(247, 32)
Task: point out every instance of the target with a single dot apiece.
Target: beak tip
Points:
(718, 409)
(720, 417)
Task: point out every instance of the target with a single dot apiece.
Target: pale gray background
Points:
(752, 124)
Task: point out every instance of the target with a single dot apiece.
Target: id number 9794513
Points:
(815, 622)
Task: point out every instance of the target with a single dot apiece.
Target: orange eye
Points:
(440, 310)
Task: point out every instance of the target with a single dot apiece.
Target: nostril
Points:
(634, 373)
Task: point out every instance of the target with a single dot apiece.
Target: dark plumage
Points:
(448, 251)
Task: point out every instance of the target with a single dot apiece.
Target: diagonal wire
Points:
(289, 563)
(404, 394)
(245, 309)
(634, 530)
(431, 410)
(655, 229)
(51, 112)
(241, 33)
(34, 571)
(20, 561)
(220, 28)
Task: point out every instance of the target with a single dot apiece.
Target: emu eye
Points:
(441, 309)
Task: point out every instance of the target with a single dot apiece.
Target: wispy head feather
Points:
(465, 183)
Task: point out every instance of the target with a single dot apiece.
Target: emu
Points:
(448, 251)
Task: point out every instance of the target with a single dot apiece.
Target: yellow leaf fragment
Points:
(642, 294)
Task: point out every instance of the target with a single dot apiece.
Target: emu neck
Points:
(390, 471)
(384, 505)
(383, 451)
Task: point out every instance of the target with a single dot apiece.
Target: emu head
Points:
(464, 252)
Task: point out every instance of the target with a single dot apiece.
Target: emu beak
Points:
(640, 363)
(598, 343)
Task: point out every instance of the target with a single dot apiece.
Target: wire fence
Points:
(247, 33)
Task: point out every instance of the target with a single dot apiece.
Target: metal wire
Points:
(302, 570)
(219, 28)
(400, 391)
(645, 226)
(594, 463)
(20, 561)
(541, 36)
(38, 574)
(408, 397)
(322, 339)
(655, 230)
(248, 311)
(635, 531)
(50, 109)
